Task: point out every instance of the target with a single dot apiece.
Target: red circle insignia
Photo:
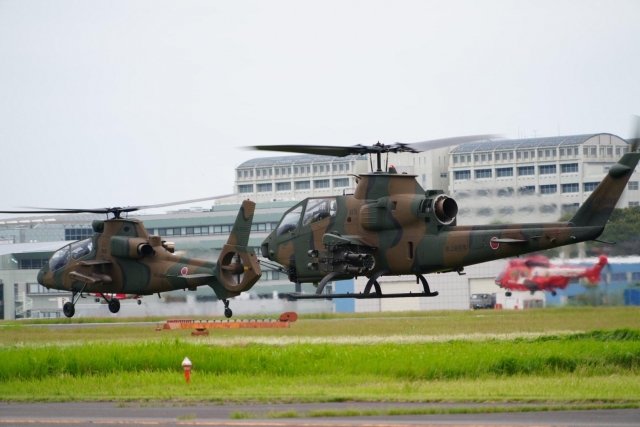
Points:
(493, 243)
(184, 271)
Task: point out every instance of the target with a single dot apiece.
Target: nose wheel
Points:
(227, 311)
(69, 307)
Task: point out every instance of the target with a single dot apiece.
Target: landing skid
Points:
(362, 295)
(367, 294)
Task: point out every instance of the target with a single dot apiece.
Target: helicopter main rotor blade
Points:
(320, 150)
(636, 133)
(114, 210)
(398, 147)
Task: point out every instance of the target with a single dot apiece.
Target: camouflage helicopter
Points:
(122, 258)
(391, 226)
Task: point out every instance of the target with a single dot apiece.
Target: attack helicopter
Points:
(391, 226)
(121, 257)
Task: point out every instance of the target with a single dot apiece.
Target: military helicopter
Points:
(391, 226)
(122, 258)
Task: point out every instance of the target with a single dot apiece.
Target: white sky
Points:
(116, 103)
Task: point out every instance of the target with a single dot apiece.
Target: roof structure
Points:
(298, 159)
(515, 144)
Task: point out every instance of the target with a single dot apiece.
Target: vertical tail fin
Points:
(595, 211)
(238, 269)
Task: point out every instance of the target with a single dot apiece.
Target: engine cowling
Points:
(130, 247)
(445, 209)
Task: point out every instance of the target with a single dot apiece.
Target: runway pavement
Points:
(171, 414)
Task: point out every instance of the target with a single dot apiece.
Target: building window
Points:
(609, 151)
(547, 169)
(571, 188)
(526, 155)
(335, 167)
(526, 170)
(548, 189)
(540, 154)
(190, 230)
(459, 175)
(31, 264)
(483, 173)
(570, 207)
(501, 172)
(455, 159)
(476, 158)
(443, 174)
(341, 182)
(635, 276)
(283, 186)
(484, 157)
(590, 186)
(221, 229)
(295, 170)
(490, 156)
(634, 204)
(315, 168)
(575, 151)
(519, 155)
(303, 185)
(239, 174)
(617, 151)
(562, 152)
(533, 154)
(527, 189)
(594, 151)
(341, 167)
(633, 185)
(321, 183)
(585, 151)
(569, 168)
(504, 156)
(246, 188)
(263, 188)
(77, 233)
(618, 277)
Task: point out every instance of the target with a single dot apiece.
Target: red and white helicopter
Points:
(536, 273)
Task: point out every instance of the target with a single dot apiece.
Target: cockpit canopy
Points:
(75, 250)
(315, 210)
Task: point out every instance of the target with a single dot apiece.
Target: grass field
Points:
(550, 355)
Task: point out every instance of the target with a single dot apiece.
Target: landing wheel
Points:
(508, 294)
(114, 305)
(139, 302)
(554, 293)
(227, 311)
(68, 309)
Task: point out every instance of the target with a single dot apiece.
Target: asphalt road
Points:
(170, 414)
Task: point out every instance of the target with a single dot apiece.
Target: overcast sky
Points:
(115, 103)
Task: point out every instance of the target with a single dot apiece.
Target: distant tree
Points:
(624, 229)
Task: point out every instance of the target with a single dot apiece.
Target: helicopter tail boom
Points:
(595, 211)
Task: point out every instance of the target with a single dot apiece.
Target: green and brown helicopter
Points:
(121, 257)
(391, 226)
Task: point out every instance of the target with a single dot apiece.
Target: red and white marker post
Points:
(186, 364)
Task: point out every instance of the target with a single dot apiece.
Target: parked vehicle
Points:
(482, 301)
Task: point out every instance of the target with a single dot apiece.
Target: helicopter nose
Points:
(42, 273)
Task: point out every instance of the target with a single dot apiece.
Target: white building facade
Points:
(297, 177)
(533, 180)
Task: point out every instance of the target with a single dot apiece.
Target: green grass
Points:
(436, 324)
(413, 356)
